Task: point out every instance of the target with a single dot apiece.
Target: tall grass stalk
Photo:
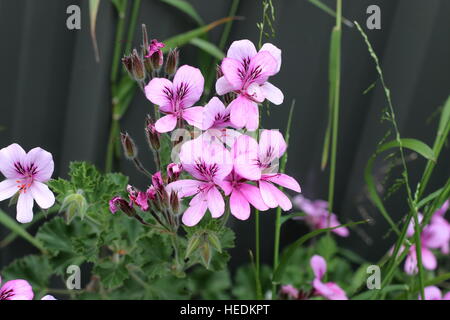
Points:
(412, 201)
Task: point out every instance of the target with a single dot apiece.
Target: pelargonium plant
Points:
(215, 166)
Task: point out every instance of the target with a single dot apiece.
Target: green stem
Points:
(335, 114)
(118, 43)
(276, 249)
(113, 135)
(132, 25)
(259, 295)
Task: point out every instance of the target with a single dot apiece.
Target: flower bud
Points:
(152, 135)
(172, 62)
(128, 145)
(206, 254)
(192, 245)
(138, 69)
(174, 202)
(173, 171)
(127, 62)
(118, 203)
(74, 205)
(214, 241)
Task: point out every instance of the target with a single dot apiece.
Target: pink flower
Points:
(176, 98)
(48, 297)
(317, 215)
(329, 290)
(434, 293)
(246, 72)
(26, 173)
(173, 171)
(216, 119)
(208, 164)
(154, 52)
(435, 235)
(242, 195)
(16, 290)
(259, 162)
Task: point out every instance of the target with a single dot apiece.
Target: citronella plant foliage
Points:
(213, 163)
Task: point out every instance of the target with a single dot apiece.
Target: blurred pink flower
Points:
(290, 291)
(154, 52)
(176, 98)
(26, 174)
(329, 290)
(434, 293)
(16, 290)
(317, 215)
(436, 235)
(208, 164)
(246, 72)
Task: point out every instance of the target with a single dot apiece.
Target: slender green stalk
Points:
(335, 70)
(120, 30)
(276, 249)
(12, 225)
(259, 295)
(412, 202)
(132, 25)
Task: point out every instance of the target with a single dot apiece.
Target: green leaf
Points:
(391, 288)
(184, 38)
(208, 47)
(12, 225)
(289, 251)
(412, 144)
(330, 11)
(187, 8)
(93, 11)
(327, 247)
(112, 274)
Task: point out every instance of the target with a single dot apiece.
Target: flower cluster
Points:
(228, 168)
(436, 235)
(434, 293)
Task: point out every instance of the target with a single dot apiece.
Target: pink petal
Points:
(241, 50)
(281, 199)
(319, 266)
(213, 109)
(284, 180)
(48, 297)
(238, 111)
(334, 292)
(223, 86)
(246, 166)
(428, 259)
(231, 69)
(266, 65)
(436, 234)
(157, 91)
(185, 188)
(432, 293)
(253, 196)
(252, 117)
(42, 194)
(266, 194)
(272, 93)
(166, 123)
(255, 92)
(19, 290)
(216, 204)
(8, 188)
(411, 262)
(43, 161)
(25, 207)
(441, 211)
(192, 82)
(195, 212)
(194, 116)
(290, 291)
(271, 145)
(445, 297)
(8, 157)
(239, 206)
(275, 52)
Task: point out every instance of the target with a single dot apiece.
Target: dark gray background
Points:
(54, 95)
